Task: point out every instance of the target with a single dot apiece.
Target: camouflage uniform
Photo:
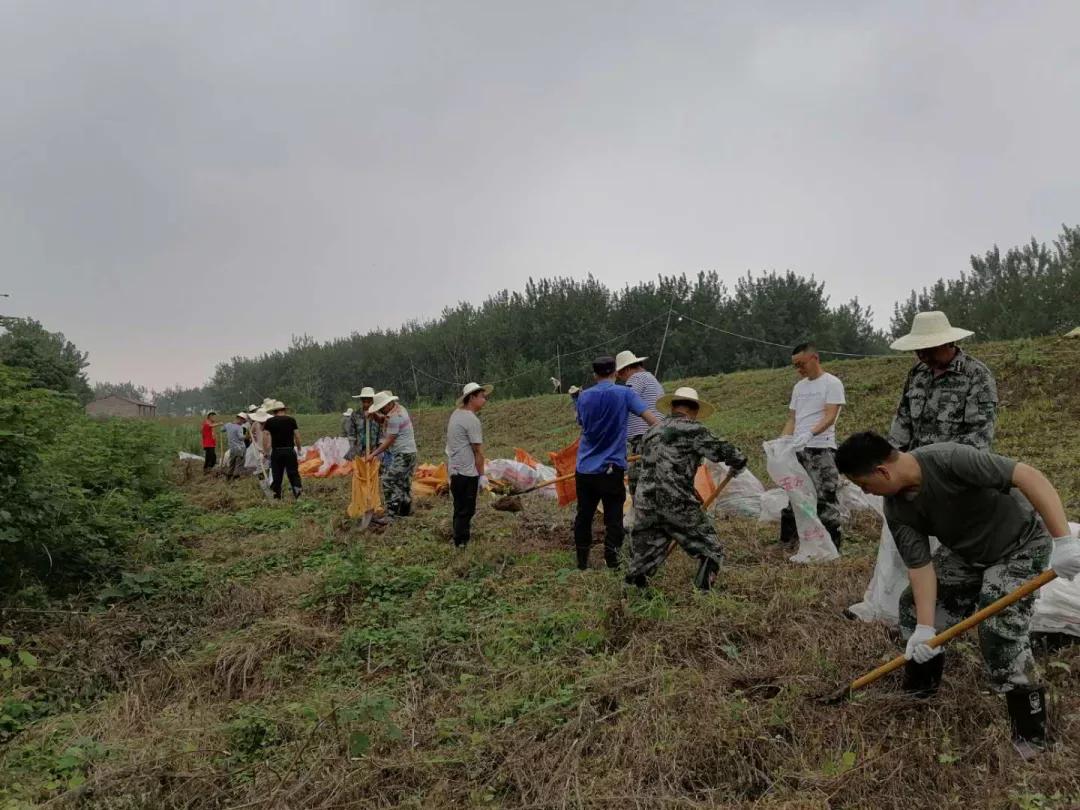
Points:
(666, 507)
(396, 479)
(957, 406)
(963, 588)
(633, 468)
(357, 430)
(820, 466)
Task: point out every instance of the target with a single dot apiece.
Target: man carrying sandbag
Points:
(815, 405)
(398, 435)
(666, 507)
(985, 509)
(465, 457)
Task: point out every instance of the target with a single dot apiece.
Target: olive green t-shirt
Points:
(967, 501)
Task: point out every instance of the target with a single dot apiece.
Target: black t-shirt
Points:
(281, 430)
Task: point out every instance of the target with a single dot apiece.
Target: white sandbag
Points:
(190, 457)
(815, 544)
(331, 450)
(546, 473)
(773, 502)
(742, 495)
(518, 475)
(852, 499)
(1057, 604)
(252, 457)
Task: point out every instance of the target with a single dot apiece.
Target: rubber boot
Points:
(923, 680)
(639, 580)
(706, 573)
(1027, 714)
(582, 558)
(789, 532)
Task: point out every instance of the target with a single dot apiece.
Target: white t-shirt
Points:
(399, 424)
(808, 400)
(461, 434)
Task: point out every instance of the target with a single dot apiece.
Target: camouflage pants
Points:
(397, 483)
(820, 465)
(962, 589)
(633, 470)
(654, 530)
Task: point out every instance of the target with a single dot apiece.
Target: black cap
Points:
(604, 365)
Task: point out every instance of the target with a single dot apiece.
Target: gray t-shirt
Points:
(235, 435)
(462, 433)
(399, 424)
(967, 501)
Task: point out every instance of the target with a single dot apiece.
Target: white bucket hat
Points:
(275, 405)
(470, 388)
(259, 416)
(252, 408)
(705, 410)
(574, 389)
(929, 330)
(627, 358)
(382, 399)
(367, 392)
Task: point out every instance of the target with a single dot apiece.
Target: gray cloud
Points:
(186, 182)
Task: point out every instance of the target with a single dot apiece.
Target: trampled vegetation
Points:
(253, 655)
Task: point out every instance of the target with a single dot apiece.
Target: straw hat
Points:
(275, 405)
(259, 416)
(470, 388)
(627, 358)
(382, 399)
(705, 410)
(252, 408)
(929, 330)
(347, 412)
(244, 415)
(367, 392)
(574, 389)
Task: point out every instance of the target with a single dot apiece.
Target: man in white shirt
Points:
(815, 405)
(465, 457)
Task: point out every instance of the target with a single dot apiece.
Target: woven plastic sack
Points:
(1057, 604)
(773, 502)
(518, 475)
(565, 462)
(815, 544)
(430, 479)
(366, 492)
(742, 495)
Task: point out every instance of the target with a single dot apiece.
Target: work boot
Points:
(923, 680)
(638, 579)
(789, 532)
(1027, 714)
(706, 574)
(836, 534)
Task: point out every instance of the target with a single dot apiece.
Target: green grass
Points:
(267, 655)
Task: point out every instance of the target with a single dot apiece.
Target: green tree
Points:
(51, 360)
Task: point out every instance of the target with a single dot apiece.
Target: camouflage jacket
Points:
(357, 432)
(671, 453)
(957, 406)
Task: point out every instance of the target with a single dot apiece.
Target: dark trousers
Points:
(463, 489)
(211, 458)
(283, 462)
(593, 489)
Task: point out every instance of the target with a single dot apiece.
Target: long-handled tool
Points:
(512, 503)
(944, 636)
(705, 504)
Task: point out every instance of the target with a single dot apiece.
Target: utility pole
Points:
(558, 367)
(416, 385)
(667, 326)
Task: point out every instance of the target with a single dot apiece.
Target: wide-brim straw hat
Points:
(705, 410)
(929, 330)
(627, 358)
(275, 405)
(382, 399)
(472, 388)
(367, 392)
(259, 416)
(244, 415)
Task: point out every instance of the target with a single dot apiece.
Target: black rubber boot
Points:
(1027, 713)
(582, 558)
(638, 580)
(923, 680)
(789, 532)
(706, 573)
(836, 534)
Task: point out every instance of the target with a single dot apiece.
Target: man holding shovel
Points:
(985, 509)
(601, 459)
(465, 457)
(667, 507)
(397, 480)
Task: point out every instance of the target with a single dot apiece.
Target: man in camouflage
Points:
(399, 470)
(667, 507)
(985, 509)
(949, 396)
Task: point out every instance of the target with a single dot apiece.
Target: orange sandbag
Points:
(525, 458)
(430, 480)
(311, 466)
(366, 491)
(565, 462)
(704, 484)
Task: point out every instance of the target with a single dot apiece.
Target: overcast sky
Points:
(184, 182)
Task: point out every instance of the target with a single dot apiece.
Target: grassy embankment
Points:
(273, 656)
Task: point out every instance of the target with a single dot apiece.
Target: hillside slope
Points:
(275, 656)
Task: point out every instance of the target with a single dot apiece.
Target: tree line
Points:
(553, 327)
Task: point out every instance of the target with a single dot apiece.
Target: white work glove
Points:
(917, 647)
(801, 440)
(483, 483)
(1065, 557)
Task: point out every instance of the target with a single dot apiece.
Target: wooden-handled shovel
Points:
(944, 636)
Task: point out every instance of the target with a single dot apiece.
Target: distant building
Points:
(116, 405)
